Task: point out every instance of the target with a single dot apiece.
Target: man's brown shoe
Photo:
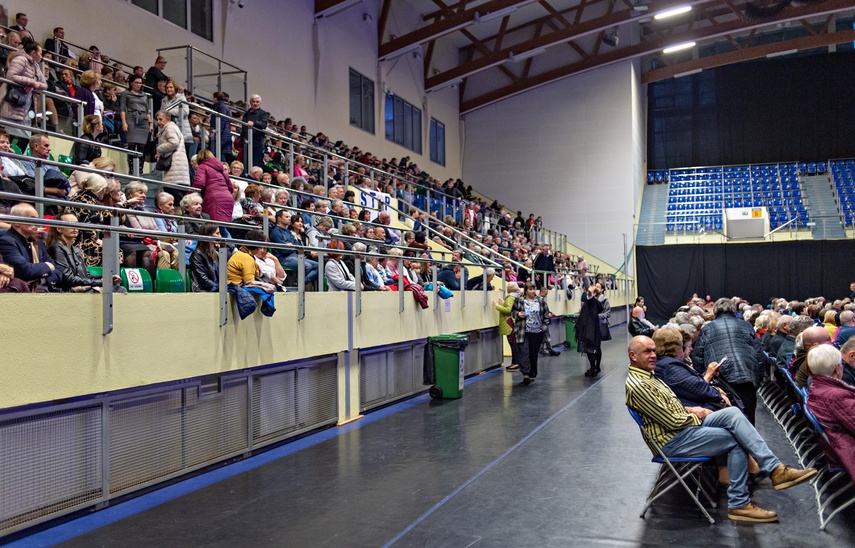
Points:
(783, 476)
(753, 513)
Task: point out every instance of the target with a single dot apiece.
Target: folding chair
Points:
(674, 471)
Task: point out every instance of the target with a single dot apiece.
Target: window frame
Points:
(403, 123)
(367, 121)
(188, 15)
(437, 152)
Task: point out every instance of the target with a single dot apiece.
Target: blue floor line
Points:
(112, 514)
(513, 448)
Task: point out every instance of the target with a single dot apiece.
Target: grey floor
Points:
(557, 463)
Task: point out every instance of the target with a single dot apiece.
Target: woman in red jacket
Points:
(217, 190)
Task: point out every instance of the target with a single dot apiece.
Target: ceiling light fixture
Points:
(679, 47)
(515, 58)
(486, 18)
(672, 12)
(781, 53)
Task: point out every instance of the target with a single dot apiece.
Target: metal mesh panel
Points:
(49, 463)
(145, 438)
(294, 400)
(472, 356)
(418, 365)
(216, 424)
(491, 347)
(372, 378)
(401, 371)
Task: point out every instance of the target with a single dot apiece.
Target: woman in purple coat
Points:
(217, 190)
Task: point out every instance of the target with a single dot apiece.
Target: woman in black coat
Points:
(69, 260)
(204, 275)
(592, 328)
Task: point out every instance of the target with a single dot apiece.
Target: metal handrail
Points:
(58, 135)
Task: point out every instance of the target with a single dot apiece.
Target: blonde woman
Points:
(506, 324)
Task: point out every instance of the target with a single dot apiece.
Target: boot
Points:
(752, 513)
(784, 477)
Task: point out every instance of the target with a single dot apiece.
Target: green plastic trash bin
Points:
(570, 329)
(447, 363)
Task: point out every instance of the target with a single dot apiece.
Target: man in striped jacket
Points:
(695, 431)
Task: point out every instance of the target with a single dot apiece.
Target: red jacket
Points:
(216, 189)
(833, 403)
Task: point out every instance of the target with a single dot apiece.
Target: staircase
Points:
(654, 203)
(824, 211)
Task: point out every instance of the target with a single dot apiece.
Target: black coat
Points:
(71, 263)
(83, 152)
(203, 272)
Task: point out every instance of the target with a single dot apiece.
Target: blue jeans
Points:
(726, 431)
(311, 267)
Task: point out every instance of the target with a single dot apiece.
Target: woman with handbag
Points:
(531, 318)
(506, 323)
(593, 326)
(179, 110)
(171, 157)
(136, 119)
(17, 101)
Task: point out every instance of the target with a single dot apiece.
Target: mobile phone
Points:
(724, 359)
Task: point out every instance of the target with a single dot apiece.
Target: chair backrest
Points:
(636, 416)
(168, 281)
(136, 280)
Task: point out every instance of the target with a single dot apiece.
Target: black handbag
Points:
(16, 96)
(150, 149)
(164, 162)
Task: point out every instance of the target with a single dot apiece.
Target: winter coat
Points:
(180, 112)
(729, 336)
(23, 71)
(170, 141)
(833, 403)
(216, 189)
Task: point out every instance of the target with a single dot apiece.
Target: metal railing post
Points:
(291, 157)
(43, 108)
(265, 225)
(321, 274)
(109, 258)
(462, 287)
(484, 287)
(401, 284)
(357, 275)
(433, 274)
(40, 188)
(218, 144)
(327, 173)
(182, 252)
(79, 122)
(222, 265)
(248, 149)
(189, 54)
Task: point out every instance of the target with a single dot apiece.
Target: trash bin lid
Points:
(449, 337)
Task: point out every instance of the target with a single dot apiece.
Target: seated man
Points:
(847, 328)
(694, 431)
(28, 256)
(832, 401)
(56, 183)
(478, 282)
(449, 276)
(637, 326)
(8, 282)
(848, 358)
(810, 338)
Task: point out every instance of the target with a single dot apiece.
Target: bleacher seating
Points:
(698, 196)
(843, 172)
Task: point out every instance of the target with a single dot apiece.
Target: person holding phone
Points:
(593, 326)
(531, 318)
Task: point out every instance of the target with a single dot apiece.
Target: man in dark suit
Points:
(20, 22)
(26, 255)
(155, 74)
(542, 262)
(56, 45)
(257, 118)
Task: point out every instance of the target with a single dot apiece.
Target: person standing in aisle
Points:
(531, 319)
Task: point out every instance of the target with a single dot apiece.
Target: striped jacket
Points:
(663, 413)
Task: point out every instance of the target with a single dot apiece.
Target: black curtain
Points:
(669, 275)
(778, 110)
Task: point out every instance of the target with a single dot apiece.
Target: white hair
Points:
(823, 359)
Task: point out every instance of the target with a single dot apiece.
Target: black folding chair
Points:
(674, 471)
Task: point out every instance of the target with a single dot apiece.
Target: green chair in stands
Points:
(168, 281)
(95, 270)
(66, 160)
(188, 287)
(136, 280)
(16, 149)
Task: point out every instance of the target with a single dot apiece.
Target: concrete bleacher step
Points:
(654, 204)
(824, 211)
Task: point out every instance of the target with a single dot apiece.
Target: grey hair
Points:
(359, 246)
(490, 271)
(799, 324)
(135, 186)
(192, 198)
(846, 316)
(823, 359)
(724, 306)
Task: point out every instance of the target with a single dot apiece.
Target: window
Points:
(403, 123)
(193, 15)
(437, 142)
(361, 102)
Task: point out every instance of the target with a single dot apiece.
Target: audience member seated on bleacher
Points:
(170, 147)
(204, 269)
(809, 339)
(56, 184)
(270, 268)
(137, 250)
(847, 352)
(316, 234)
(832, 402)
(637, 326)
(788, 346)
(847, 328)
(17, 100)
(781, 333)
(96, 190)
(450, 276)
(242, 268)
(167, 254)
(85, 153)
(8, 282)
(294, 235)
(683, 431)
(338, 275)
(250, 204)
(191, 206)
(477, 282)
(21, 250)
(213, 182)
(69, 260)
